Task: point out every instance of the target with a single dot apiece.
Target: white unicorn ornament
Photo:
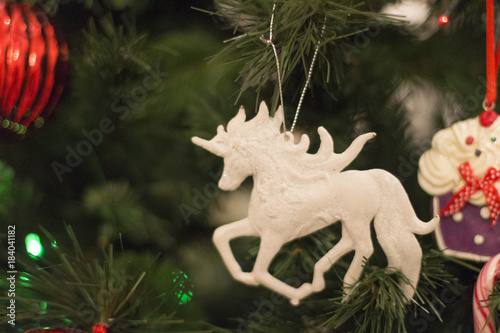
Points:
(296, 193)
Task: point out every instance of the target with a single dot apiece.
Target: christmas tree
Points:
(108, 209)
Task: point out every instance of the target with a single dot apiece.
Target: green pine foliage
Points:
(6, 184)
(298, 27)
(115, 289)
(492, 305)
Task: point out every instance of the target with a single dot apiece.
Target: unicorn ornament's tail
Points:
(403, 250)
(396, 226)
(420, 228)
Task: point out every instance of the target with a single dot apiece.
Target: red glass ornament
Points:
(443, 20)
(487, 118)
(33, 67)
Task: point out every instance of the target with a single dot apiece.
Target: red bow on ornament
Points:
(474, 184)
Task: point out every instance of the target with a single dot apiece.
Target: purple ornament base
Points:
(466, 234)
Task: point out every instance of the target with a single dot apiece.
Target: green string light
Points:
(43, 308)
(25, 281)
(183, 287)
(34, 246)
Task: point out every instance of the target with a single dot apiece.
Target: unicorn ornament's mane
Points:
(263, 134)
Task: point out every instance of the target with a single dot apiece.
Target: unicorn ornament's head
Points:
(232, 145)
(249, 146)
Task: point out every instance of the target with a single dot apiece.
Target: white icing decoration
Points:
(296, 194)
(479, 239)
(458, 217)
(485, 212)
(438, 167)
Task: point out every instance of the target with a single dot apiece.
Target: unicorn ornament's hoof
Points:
(302, 292)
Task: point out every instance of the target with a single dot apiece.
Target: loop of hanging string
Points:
(308, 80)
(278, 72)
(488, 108)
(308, 77)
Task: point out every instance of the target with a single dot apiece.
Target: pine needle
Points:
(297, 30)
(72, 291)
(377, 303)
(129, 294)
(494, 305)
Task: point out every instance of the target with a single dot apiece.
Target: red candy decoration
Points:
(33, 67)
(487, 118)
(485, 285)
(469, 140)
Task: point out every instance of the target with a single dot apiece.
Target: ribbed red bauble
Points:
(33, 67)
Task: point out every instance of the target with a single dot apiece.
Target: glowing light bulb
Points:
(34, 246)
(443, 20)
(183, 287)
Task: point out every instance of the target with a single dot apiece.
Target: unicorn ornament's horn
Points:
(214, 146)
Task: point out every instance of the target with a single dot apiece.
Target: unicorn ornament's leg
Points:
(363, 248)
(326, 262)
(222, 236)
(269, 246)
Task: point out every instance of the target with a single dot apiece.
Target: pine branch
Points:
(6, 182)
(75, 292)
(377, 303)
(120, 210)
(297, 29)
(101, 11)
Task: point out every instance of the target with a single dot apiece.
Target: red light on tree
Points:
(443, 20)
